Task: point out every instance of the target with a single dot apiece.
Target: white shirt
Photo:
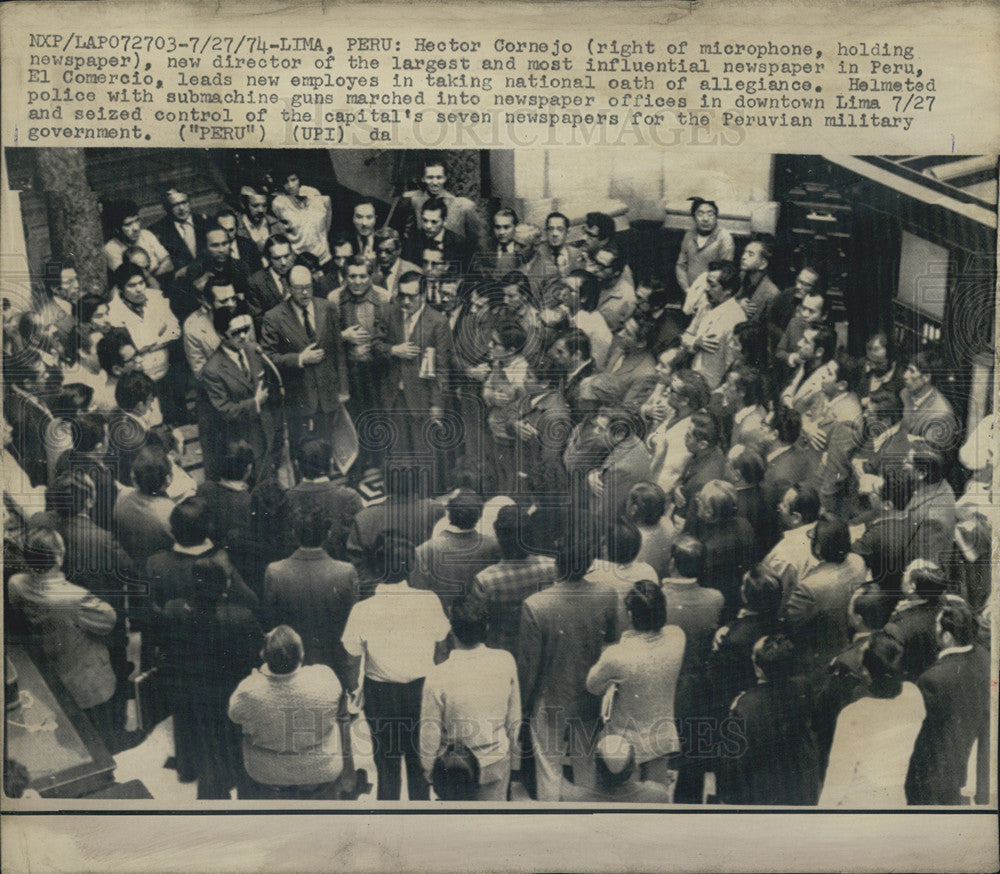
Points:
(717, 323)
(396, 630)
(156, 325)
(257, 233)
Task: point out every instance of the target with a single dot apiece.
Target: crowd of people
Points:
(637, 544)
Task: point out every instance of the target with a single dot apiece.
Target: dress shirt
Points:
(114, 251)
(718, 321)
(156, 325)
(186, 231)
(257, 233)
(396, 629)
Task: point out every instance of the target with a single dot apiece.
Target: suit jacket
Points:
(314, 595)
(629, 385)
(226, 407)
(563, 630)
(185, 298)
(430, 332)
(313, 388)
(336, 502)
(794, 465)
(932, 516)
(126, 436)
(626, 464)
(250, 255)
(390, 282)
(455, 249)
(29, 419)
(934, 419)
(541, 457)
(912, 624)
(262, 294)
(578, 406)
(956, 690)
(166, 233)
(780, 763)
(447, 564)
(730, 549)
(699, 470)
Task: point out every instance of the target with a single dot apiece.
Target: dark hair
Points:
(787, 424)
(766, 242)
(119, 210)
(693, 388)
(928, 461)
(411, 276)
(647, 606)
(518, 279)
(883, 659)
(314, 458)
(832, 540)
(761, 590)
(385, 235)
(73, 398)
(79, 336)
(889, 404)
(109, 349)
(576, 341)
(753, 340)
(688, 554)
(222, 319)
(872, 606)
(41, 549)
(603, 222)
(276, 240)
(806, 503)
(624, 542)
(825, 339)
(850, 371)
(775, 656)
(133, 388)
(507, 528)
(465, 509)
(151, 470)
(90, 430)
(468, 621)
(189, 522)
(283, 650)
(311, 527)
(393, 556)
(956, 616)
(554, 215)
(124, 272)
(590, 289)
(507, 212)
(234, 462)
(729, 277)
(648, 503)
(70, 494)
(455, 774)
(705, 427)
(928, 580)
(435, 204)
(617, 264)
(749, 383)
(929, 360)
(698, 202)
(511, 335)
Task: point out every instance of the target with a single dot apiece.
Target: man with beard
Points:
(254, 223)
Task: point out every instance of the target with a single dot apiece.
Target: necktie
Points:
(187, 232)
(310, 333)
(244, 365)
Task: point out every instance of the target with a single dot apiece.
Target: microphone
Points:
(277, 373)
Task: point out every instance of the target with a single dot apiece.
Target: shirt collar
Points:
(954, 650)
(233, 355)
(200, 549)
(740, 415)
(575, 372)
(774, 453)
(233, 485)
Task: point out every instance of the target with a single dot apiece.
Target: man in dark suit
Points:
(420, 352)
(302, 336)
(789, 460)
(571, 354)
(238, 396)
(269, 286)
(542, 426)
(313, 594)
(931, 509)
(241, 249)
(433, 234)
(181, 231)
(956, 691)
(705, 464)
(128, 428)
(388, 261)
(757, 292)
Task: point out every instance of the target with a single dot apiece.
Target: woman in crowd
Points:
(644, 666)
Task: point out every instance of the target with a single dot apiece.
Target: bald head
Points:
(301, 281)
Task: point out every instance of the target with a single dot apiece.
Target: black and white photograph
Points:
(538, 478)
